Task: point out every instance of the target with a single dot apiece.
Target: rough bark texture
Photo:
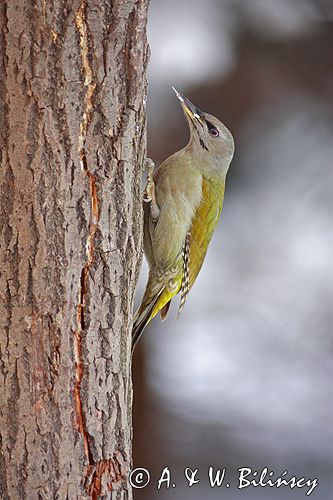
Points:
(72, 93)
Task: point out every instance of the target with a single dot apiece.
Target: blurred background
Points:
(244, 376)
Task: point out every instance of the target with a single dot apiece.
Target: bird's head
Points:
(209, 137)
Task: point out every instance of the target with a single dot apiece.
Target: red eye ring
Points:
(214, 132)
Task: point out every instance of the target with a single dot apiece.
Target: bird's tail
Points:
(156, 299)
(142, 318)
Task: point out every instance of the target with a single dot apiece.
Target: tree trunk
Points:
(72, 87)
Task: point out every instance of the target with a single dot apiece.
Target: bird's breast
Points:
(204, 224)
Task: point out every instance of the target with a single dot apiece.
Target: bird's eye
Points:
(214, 132)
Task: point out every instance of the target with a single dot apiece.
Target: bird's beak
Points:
(190, 110)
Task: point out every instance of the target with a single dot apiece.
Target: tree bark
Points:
(72, 93)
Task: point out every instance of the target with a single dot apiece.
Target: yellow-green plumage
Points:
(204, 224)
(189, 191)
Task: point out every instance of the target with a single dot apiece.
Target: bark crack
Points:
(82, 27)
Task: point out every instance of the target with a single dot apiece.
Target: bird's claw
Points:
(149, 195)
(149, 192)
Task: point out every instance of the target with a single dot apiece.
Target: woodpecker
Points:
(182, 205)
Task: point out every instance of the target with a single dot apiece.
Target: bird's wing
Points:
(178, 187)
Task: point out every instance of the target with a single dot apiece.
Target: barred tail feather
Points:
(185, 286)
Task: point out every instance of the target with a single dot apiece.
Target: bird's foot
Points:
(149, 195)
(149, 192)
